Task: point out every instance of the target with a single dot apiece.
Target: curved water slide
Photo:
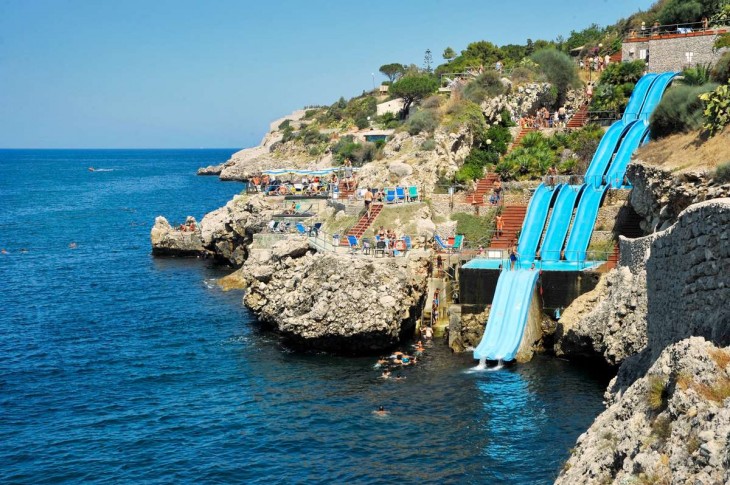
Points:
(629, 144)
(560, 222)
(633, 108)
(654, 96)
(537, 212)
(508, 318)
(604, 153)
(585, 219)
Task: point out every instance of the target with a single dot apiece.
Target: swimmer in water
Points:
(4, 251)
(72, 245)
(91, 169)
(385, 374)
(381, 411)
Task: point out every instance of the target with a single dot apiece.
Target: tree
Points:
(559, 69)
(486, 52)
(412, 89)
(448, 54)
(427, 60)
(681, 11)
(392, 71)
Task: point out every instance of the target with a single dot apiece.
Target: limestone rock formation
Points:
(210, 170)
(335, 302)
(670, 426)
(227, 232)
(659, 195)
(169, 241)
(467, 331)
(608, 323)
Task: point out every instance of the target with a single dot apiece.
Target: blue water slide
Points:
(585, 219)
(629, 144)
(633, 109)
(655, 93)
(559, 222)
(535, 218)
(604, 153)
(508, 317)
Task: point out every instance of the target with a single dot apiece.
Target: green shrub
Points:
(432, 102)
(424, 120)
(500, 138)
(680, 11)
(622, 72)
(287, 135)
(284, 124)
(679, 111)
(487, 85)
(722, 41)
(559, 69)
(696, 76)
(722, 173)
(522, 75)
(428, 145)
(657, 393)
(468, 173)
(463, 112)
(717, 109)
(310, 135)
(721, 72)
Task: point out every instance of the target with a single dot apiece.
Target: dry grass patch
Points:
(687, 152)
(720, 357)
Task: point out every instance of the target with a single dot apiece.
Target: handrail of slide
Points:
(633, 108)
(632, 140)
(508, 317)
(585, 218)
(560, 222)
(604, 153)
(655, 94)
(535, 219)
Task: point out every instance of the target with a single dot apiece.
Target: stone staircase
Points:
(484, 187)
(523, 132)
(580, 118)
(344, 193)
(513, 217)
(364, 223)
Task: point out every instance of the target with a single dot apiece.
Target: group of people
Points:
(544, 119)
(391, 241)
(189, 226)
(307, 186)
(595, 63)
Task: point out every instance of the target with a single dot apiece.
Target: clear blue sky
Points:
(214, 73)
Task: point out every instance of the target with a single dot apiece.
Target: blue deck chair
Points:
(441, 243)
(352, 241)
(413, 193)
(389, 196)
(400, 194)
(407, 240)
(315, 229)
(301, 229)
(458, 241)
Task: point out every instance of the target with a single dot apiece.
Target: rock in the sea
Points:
(670, 426)
(336, 302)
(210, 170)
(169, 241)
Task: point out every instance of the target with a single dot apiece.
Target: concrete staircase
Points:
(580, 118)
(523, 132)
(344, 193)
(513, 217)
(364, 223)
(484, 187)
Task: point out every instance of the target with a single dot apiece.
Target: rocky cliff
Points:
(334, 302)
(672, 425)
(608, 323)
(669, 415)
(224, 234)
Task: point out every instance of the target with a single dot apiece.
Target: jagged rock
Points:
(670, 426)
(169, 241)
(400, 169)
(467, 331)
(607, 323)
(294, 247)
(659, 195)
(336, 302)
(210, 170)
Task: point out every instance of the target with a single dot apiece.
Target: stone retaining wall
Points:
(674, 54)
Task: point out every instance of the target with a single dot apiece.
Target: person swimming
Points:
(91, 169)
(385, 374)
(72, 245)
(4, 251)
(381, 411)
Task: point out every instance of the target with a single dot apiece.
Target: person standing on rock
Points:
(368, 201)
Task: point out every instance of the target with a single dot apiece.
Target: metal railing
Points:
(657, 30)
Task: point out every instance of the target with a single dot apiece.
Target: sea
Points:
(118, 367)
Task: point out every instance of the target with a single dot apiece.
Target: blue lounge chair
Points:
(301, 229)
(400, 194)
(389, 196)
(352, 241)
(407, 240)
(413, 193)
(458, 241)
(315, 229)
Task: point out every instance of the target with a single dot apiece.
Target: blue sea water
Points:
(116, 367)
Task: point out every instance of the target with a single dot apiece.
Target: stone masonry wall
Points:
(672, 54)
(688, 278)
(634, 253)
